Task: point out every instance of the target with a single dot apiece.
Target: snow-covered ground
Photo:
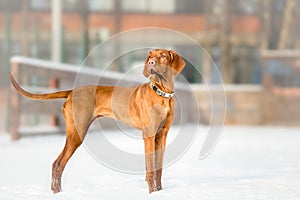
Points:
(247, 163)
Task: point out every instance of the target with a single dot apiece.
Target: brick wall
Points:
(181, 22)
(281, 107)
(243, 105)
(281, 81)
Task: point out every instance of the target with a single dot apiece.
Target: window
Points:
(101, 5)
(70, 5)
(40, 4)
(11, 5)
(190, 6)
(153, 6)
(158, 6)
(135, 5)
(244, 7)
(91, 5)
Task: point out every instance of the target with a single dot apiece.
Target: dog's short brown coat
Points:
(139, 107)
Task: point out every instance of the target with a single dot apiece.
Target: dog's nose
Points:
(151, 62)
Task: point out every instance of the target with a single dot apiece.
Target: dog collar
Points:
(160, 92)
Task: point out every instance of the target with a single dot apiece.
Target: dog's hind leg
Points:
(72, 143)
(75, 133)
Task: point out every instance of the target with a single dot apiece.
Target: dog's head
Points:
(163, 63)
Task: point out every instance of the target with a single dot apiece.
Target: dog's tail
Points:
(55, 95)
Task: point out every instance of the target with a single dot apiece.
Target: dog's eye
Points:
(163, 56)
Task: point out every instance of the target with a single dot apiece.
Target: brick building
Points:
(27, 28)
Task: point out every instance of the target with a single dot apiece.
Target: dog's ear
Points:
(146, 70)
(177, 63)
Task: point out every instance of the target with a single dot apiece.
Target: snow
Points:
(247, 163)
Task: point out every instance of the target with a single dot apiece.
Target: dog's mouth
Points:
(153, 72)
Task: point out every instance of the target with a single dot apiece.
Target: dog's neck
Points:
(166, 84)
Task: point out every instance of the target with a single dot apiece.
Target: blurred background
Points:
(254, 43)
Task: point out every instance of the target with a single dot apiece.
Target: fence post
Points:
(53, 84)
(15, 114)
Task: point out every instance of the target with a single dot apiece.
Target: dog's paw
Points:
(56, 186)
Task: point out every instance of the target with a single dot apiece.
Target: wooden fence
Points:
(40, 76)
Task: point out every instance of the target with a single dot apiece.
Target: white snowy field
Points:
(247, 163)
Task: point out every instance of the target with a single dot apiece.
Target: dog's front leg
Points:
(160, 144)
(149, 143)
(158, 116)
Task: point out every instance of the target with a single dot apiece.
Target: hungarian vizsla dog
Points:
(148, 107)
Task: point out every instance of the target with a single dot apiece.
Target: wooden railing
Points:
(40, 76)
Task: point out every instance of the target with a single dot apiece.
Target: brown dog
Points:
(148, 107)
